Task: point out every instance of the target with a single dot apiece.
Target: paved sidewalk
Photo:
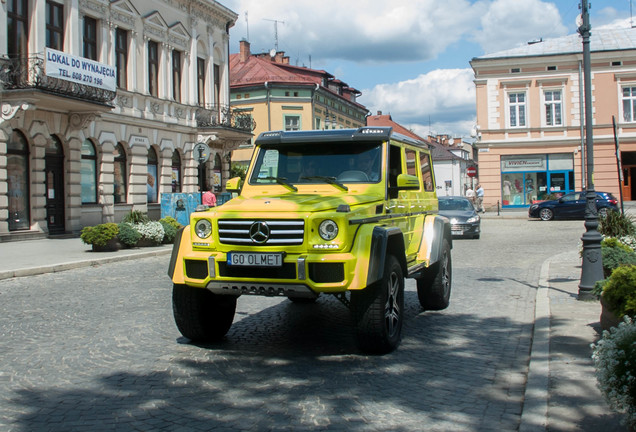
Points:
(31, 257)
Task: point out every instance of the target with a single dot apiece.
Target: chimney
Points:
(245, 51)
(379, 112)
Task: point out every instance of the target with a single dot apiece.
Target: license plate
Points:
(254, 259)
(457, 232)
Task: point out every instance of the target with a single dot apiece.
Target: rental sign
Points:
(79, 70)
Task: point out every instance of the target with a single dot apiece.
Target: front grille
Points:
(326, 272)
(281, 232)
(462, 227)
(196, 269)
(287, 271)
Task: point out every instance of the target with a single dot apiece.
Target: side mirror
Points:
(234, 184)
(408, 182)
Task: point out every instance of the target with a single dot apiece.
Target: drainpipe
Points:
(269, 111)
(582, 116)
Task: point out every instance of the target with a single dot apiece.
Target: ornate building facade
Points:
(102, 105)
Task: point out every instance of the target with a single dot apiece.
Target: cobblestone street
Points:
(97, 349)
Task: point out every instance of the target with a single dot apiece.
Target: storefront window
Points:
(176, 172)
(89, 173)
(529, 178)
(153, 183)
(120, 175)
(18, 182)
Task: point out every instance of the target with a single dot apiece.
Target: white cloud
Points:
(444, 95)
(508, 23)
(363, 30)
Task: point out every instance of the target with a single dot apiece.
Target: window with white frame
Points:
(517, 108)
(629, 104)
(553, 107)
(292, 122)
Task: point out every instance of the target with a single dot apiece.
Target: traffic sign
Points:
(471, 171)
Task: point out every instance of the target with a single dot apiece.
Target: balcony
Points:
(215, 116)
(29, 74)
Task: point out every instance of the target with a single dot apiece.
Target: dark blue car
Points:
(572, 206)
(465, 222)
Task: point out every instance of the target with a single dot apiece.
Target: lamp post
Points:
(592, 265)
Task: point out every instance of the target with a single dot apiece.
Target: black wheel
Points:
(201, 315)
(303, 300)
(379, 311)
(546, 214)
(434, 287)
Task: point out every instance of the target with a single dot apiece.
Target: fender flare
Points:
(442, 230)
(175, 252)
(385, 241)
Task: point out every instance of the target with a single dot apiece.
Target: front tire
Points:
(434, 287)
(546, 214)
(379, 311)
(201, 315)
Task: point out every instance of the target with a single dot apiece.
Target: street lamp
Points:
(592, 265)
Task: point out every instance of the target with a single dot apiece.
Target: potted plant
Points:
(152, 233)
(102, 237)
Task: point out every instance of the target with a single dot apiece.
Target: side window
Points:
(55, 26)
(152, 178)
(395, 169)
(427, 175)
(411, 162)
(629, 103)
(89, 38)
(517, 109)
(292, 122)
(121, 57)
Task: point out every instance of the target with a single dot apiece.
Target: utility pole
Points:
(592, 265)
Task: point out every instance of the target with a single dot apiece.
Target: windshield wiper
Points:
(330, 180)
(281, 181)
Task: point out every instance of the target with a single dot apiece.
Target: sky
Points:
(410, 58)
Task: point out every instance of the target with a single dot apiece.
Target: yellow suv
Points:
(348, 212)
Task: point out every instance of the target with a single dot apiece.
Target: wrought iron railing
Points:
(210, 115)
(28, 73)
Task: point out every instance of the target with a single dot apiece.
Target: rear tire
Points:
(546, 214)
(201, 315)
(379, 311)
(434, 288)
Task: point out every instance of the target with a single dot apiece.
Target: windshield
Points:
(341, 162)
(455, 204)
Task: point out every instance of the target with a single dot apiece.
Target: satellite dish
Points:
(272, 53)
(579, 20)
(451, 141)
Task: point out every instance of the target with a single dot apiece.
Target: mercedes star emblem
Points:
(259, 232)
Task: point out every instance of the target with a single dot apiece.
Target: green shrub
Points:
(99, 235)
(170, 232)
(128, 235)
(616, 224)
(615, 369)
(136, 217)
(172, 221)
(616, 256)
(615, 243)
(620, 291)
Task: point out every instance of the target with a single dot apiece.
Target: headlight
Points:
(203, 228)
(473, 219)
(534, 207)
(328, 230)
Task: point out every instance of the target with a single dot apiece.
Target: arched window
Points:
(18, 182)
(176, 171)
(89, 173)
(120, 174)
(153, 180)
(216, 173)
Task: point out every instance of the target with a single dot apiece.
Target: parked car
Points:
(572, 206)
(465, 222)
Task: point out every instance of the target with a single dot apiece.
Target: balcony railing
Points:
(28, 73)
(223, 116)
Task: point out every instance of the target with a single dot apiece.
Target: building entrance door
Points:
(54, 172)
(629, 175)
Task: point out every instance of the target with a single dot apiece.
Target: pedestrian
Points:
(208, 199)
(470, 194)
(480, 198)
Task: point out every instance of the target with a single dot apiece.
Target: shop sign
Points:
(523, 164)
(79, 70)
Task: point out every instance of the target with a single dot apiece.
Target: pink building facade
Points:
(530, 114)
